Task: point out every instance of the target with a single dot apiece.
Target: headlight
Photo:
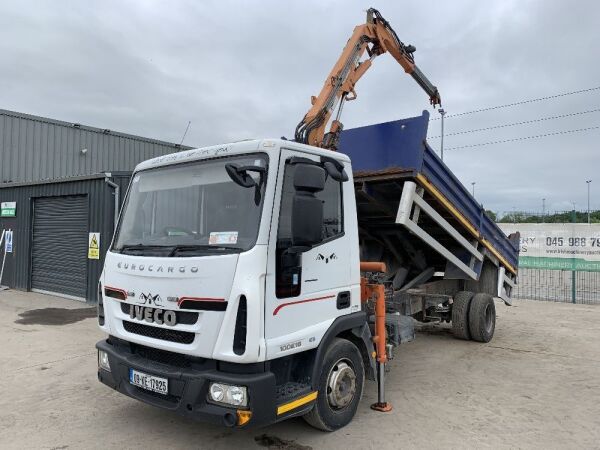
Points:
(103, 362)
(237, 395)
(216, 392)
(227, 394)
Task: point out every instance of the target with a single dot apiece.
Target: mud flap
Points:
(364, 333)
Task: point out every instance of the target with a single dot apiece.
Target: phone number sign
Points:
(557, 246)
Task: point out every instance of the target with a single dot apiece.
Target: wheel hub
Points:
(341, 385)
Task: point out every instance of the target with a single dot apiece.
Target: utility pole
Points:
(442, 113)
(573, 271)
(514, 215)
(543, 209)
(473, 184)
(588, 189)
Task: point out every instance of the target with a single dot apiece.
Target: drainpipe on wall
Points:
(107, 180)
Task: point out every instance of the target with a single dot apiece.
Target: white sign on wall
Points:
(558, 246)
(8, 241)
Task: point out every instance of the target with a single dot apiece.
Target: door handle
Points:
(343, 300)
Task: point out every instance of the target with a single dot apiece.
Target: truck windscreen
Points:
(192, 209)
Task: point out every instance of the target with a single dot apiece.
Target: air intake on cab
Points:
(239, 338)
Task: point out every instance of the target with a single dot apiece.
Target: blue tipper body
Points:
(402, 144)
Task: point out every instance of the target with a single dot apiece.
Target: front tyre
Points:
(340, 387)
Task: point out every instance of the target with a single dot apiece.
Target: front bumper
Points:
(188, 386)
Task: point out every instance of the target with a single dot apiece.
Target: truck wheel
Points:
(482, 317)
(340, 387)
(460, 315)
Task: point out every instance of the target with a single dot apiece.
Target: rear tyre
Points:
(482, 317)
(460, 315)
(340, 387)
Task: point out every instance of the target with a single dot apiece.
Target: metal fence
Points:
(558, 285)
(559, 254)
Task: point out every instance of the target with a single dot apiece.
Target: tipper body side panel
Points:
(399, 149)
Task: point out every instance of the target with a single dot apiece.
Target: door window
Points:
(288, 266)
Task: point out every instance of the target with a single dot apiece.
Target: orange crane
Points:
(375, 37)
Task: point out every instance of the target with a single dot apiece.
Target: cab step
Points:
(290, 391)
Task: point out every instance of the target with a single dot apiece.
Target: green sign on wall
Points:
(8, 209)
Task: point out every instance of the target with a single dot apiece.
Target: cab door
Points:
(306, 291)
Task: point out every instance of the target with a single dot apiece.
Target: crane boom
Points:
(375, 37)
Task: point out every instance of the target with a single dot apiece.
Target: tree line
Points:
(557, 217)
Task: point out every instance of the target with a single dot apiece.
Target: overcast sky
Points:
(246, 69)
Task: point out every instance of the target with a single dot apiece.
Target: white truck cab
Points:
(227, 258)
(260, 280)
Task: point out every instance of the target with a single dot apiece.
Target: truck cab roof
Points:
(270, 146)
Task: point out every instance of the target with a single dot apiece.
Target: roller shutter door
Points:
(59, 246)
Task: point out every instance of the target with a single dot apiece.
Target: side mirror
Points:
(307, 209)
(240, 176)
(309, 179)
(336, 170)
(307, 221)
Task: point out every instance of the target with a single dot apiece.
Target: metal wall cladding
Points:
(35, 148)
(100, 218)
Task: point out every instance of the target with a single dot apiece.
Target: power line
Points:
(541, 119)
(533, 100)
(525, 138)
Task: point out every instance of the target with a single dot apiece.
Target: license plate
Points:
(149, 382)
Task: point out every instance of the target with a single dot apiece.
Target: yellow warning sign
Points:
(94, 246)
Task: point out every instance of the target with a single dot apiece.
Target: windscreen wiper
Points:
(142, 247)
(194, 247)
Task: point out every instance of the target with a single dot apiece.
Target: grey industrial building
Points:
(67, 180)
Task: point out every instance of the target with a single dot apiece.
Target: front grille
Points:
(183, 317)
(205, 305)
(164, 334)
(161, 356)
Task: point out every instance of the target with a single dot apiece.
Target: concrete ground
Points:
(536, 385)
